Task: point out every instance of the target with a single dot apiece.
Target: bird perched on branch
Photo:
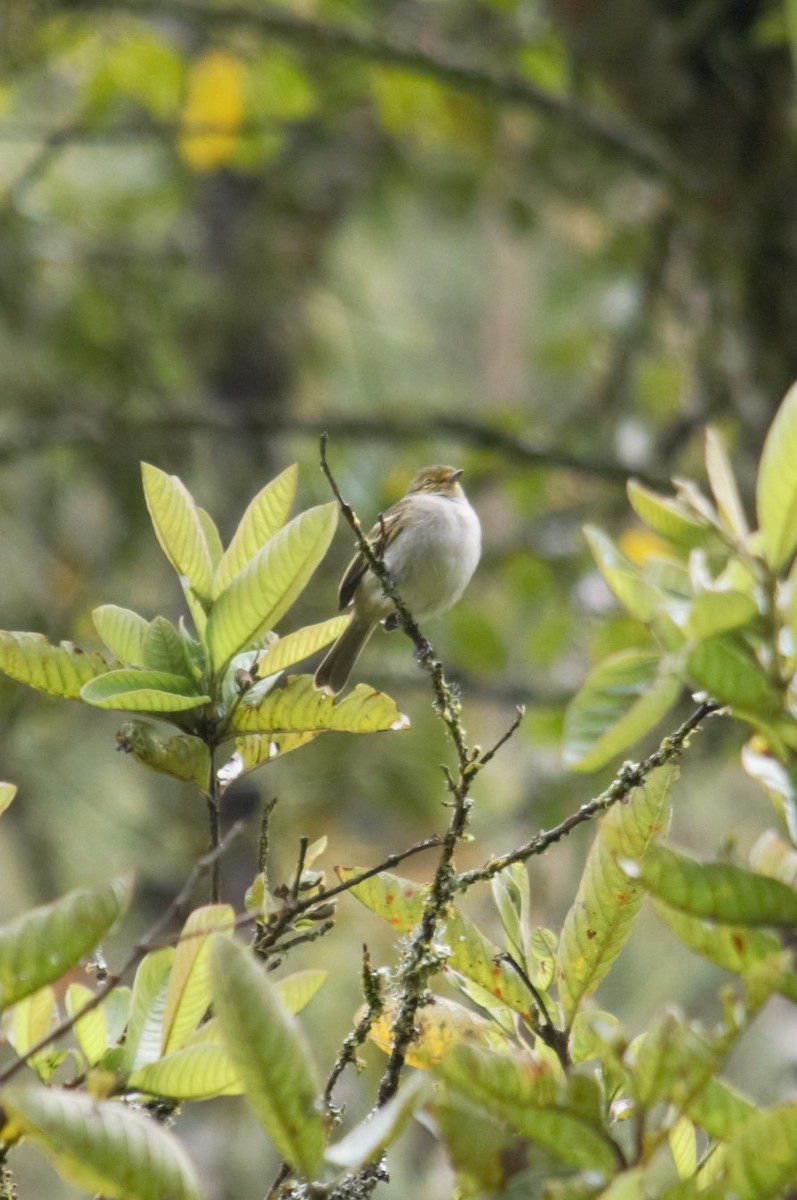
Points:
(430, 542)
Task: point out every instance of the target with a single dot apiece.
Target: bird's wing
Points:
(380, 536)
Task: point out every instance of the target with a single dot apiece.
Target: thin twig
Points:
(149, 942)
(629, 777)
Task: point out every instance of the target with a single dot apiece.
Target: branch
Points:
(150, 941)
(490, 86)
(630, 776)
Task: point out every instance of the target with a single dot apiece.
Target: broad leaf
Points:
(143, 691)
(724, 486)
(522, 1093)
(183, 755)
(368, 1141)
(667, 516)
(7, 793)
(300, 708)
(165, 650)
(729, 673)
(439, 1027)
(716, 612)
(212, 536)
(103, 1146)
(482, 1152)
(265, 589)
(179, 528)
(629, 585)
(123, 632)
(268, 1047)
(59, 670)
(188, 995)
(720, 891)
(41, 945)
(147, 1008)
(607, 901)
(256, 749)
(621, 700)
(90, 1030)
(297, 990)
(196, 1072)
(31, 1020)
(776, 489)
(297, 646)
(264, 518)
(719, 1108)
(761, 1157)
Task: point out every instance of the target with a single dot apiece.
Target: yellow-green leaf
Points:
(31, 1020)
(368, 1141)
(724, 486)
(397, 900)
(7, 793)
(260, 594)
(683, 1145)
(629, 585)
(41, 945)
(179, 529)
(729, 673)
(776, 489)
(268, 1047)
(666, 516)
(165, 650)
(621, 699)
(720, 891)
(103, 1146)
(188, 995)
(132, 690)
(256, 749)
(90, 1030)
(607, 901)
(59, 670)
(196, 1072)
(300, 708)
(719, 1108)
(264, 518)
(147, 1008)
(212, 536)
(761, 1157)
(183, 756)
(297, 990)
(716, 612)
(299, 645)
(439, 1027)
(123, 632)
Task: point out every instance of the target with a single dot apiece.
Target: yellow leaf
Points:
(213, 112)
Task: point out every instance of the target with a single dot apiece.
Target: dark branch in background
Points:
(491, 86)
(151, 940)
(629, 777)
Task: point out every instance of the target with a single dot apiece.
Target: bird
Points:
(430, 542)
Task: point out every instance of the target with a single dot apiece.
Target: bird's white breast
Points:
(433, 560)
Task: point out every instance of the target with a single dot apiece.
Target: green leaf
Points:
(257, 749)
(368, 1141)
(90, 1030)
(188, 995)
(479, 1148)
(143, 691)
(178, 528)
(724, 486)
(300, 708)
(7, 793)
(31, 1020)
(297, 990)
(522, 1093)
(265, 589)
(123, 632)
(629, 585)
(776, 489)
(600, 918)
(761, 1157)
(196, 1072)
(165, 650)
(147, 1008)
(727, 671)
(512, 899)
(734, 948)
(720, 891)
(720, 1108)
(41, 945)
(401, 902)
(666, 516)
(299, 645)
(183, 756)
(212, 537)
(267, 1045)
(103, 1146)
(59, 670)
(683, 1144)
(622, 698)
(716, 612)
(264, 518)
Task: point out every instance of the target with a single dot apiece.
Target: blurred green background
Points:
(548, 243)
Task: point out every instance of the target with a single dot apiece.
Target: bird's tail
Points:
(331, 676)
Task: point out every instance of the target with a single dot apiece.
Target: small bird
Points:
(430, 542)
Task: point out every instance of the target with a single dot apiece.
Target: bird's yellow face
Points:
(438, 481)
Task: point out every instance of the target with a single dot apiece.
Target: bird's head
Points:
(437, 481)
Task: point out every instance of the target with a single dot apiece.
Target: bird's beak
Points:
(455, 476)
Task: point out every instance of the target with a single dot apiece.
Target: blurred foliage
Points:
(547, 243)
